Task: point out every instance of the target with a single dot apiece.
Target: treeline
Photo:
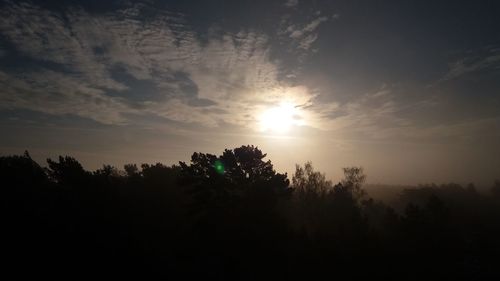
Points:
(234, 217)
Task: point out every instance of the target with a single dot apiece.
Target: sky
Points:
(409, 90)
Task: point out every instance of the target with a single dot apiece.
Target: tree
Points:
(21, 171)
(309, 209)
(131, 170)
(68, 171)
(107, 176)
(159, 175)
(354, 178)
(322, 210)
(240, 173)
(308, 183)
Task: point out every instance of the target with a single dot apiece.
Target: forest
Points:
(234, 217)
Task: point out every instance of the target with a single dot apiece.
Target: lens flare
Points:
(219, 167)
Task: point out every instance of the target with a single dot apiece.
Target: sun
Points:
(278, 119)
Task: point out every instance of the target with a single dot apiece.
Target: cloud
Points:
(297, 33)
(44, 35)
(113, 65)
(55, 93)
(371, 117)
(119, 65)
(304, 36)
(471, 64)
(462, 131)
(291, 3)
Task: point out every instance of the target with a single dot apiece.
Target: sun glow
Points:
(279, 119)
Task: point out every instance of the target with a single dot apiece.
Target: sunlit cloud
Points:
(232, 75)
(310, 73)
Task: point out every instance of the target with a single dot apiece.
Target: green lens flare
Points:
(219, 167)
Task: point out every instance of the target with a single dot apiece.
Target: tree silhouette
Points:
(68, 172)
(131, 169)
(233, 216)
(237, 174)
(309, 183)
(353, 181)
(21, 172)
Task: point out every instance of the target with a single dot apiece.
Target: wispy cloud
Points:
(368, 114)
(291, 3)
(305, 35)
(473, 63)
(55, 93)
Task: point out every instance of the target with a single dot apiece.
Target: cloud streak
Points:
(473, 64)
(304, 36)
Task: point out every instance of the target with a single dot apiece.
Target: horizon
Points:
(369, 185)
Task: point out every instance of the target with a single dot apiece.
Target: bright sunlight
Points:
(279, 119)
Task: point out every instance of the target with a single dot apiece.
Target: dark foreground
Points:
(233, 217)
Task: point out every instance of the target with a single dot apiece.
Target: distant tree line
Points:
(234, 217)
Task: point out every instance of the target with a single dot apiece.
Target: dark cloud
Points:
(201, 102)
